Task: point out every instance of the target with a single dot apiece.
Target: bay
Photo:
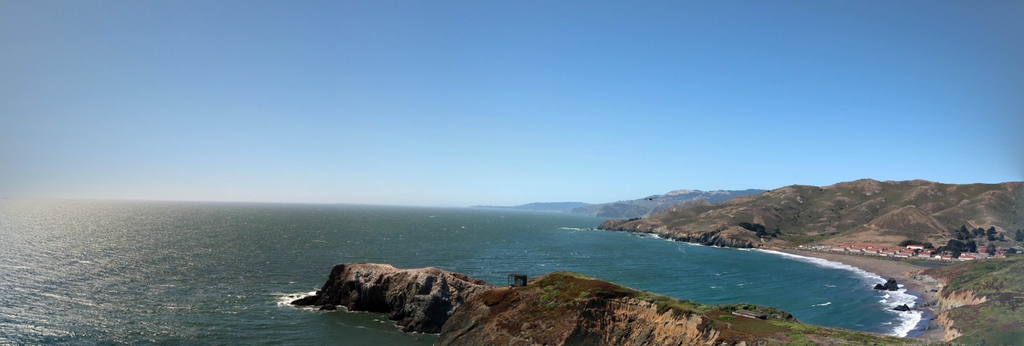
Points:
(112, 272)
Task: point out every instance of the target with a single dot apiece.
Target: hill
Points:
(862, 211)
(540, 206)
(650, 205)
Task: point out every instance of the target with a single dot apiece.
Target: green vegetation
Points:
(560, 293)
(927, 245)
(1000, 319)
(760, 230)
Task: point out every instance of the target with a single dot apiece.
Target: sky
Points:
(452, 103)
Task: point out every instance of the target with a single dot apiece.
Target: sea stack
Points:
(890, 285)
(419, 300)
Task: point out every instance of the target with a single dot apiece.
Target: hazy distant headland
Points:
(651, 205)
(640, 207)
(540, 206)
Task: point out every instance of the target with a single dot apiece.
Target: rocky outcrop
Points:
(419, 300)
(560, 308)
(890, 285)
(947, 325)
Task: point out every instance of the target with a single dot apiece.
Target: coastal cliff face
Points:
(570, 309)
(723, 237)
(419, 300)
(954, 300)
(982, 302)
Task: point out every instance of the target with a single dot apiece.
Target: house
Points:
(858, 248)
(966, 257)
(902, 255)
(915, 247)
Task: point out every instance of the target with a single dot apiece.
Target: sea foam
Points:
(908, 319)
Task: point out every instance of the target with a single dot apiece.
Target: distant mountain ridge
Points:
(540, 206)
(651, 205)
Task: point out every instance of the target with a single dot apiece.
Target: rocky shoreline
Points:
(418, 300)
(904, 272)
(717, 238)
(559, 308)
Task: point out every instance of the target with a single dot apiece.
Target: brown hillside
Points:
(865, 210)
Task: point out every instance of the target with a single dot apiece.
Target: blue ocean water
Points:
(101, 272)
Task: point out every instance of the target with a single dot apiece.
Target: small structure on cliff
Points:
(751, 314)
(516, 280)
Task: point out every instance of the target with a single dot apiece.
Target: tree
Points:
(970, 246)
(991, 249)
(909, 242)
(1020, 235)
(954, 245)
(991, 233)
(978, 232)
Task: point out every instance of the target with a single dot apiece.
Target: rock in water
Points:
(419, 300)
(903, 307)
(890, 285)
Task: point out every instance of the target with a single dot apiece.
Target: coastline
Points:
(904, 273)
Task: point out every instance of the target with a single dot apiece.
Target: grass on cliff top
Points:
(999, 320)
(988, 277)
(561, 290)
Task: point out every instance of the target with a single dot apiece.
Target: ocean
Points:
(127, 272)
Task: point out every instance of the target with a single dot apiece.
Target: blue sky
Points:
(501, 103)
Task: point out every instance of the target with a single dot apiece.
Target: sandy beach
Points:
(903, 271)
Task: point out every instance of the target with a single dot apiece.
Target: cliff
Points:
(862, 211)
(419, 300)
(724, 237)
(982, 302)
(570, 309)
